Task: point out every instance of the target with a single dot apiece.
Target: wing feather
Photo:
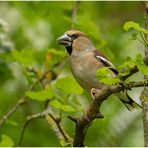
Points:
(100, 57)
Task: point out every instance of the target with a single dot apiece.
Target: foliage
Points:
(6, 141)
(104, 76)
(129, 25)
(25, 57)
(68, 85)
(58, 105)
(28, 49)
(42, 95)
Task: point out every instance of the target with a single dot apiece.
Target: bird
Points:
(85, 60)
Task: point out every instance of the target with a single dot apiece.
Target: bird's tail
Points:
(127, 101)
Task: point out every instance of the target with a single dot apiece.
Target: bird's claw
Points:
(94, 92)
(99, 115)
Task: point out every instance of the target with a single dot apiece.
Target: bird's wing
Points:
(100, 57)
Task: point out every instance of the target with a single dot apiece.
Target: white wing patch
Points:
(100, 58)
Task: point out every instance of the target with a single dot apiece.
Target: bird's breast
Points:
(84, 70)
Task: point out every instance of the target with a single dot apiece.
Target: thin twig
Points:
(46, 114)
(145, 41)
(137, 84)
(60, 133)
(132, 71)
(39, 79)
(12, 110)
(74, 14)
(23, 100)
(29, 119)
(74, 119)
(141, 41)
(144, 94)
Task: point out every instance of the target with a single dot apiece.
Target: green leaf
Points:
(129, 25)
(124, 68)
(141, 65)
(24, 57)
(139, 59)
(127, 65)
(42, 95)
(104, 76)
(68, 85)
(124, 73)
(110, 81)
(143, 68)
(67, 108)
(63, 143)
(58, 105)
(103, 72)
(55, 104)
(133, 36)
(6, 141)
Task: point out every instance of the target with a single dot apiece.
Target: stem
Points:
(74, 14)
(60, 133)
(22, 100)
(144, 94)
(14, 108)
(29, 119)
(141, 41)
(45, 114)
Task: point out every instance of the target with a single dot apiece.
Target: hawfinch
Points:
(85, 60)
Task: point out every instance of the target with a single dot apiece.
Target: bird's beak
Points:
(64, 40)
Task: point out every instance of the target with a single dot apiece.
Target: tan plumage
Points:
(85, 60)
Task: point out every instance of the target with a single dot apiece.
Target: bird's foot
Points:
(99, 115)
(94, 92)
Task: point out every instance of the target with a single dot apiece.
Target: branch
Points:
(12, 110)
(93, 110)
(144, 94)
(46, 114)
(22, 100)
(57, 127)
(74, 14)
(137, 84)
(62, 135)
(132, 71)
(29, 119)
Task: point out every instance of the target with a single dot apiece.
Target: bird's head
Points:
(75, 40)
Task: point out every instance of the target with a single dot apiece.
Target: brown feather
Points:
(99, 53)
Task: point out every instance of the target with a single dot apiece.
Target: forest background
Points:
(28, 49)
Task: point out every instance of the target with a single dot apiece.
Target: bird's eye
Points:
(74, 36)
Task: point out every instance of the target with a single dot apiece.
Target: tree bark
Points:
(93, 110)
(144, 94)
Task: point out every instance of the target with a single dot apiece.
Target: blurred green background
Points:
(32, 27)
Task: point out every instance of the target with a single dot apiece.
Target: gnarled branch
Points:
(93, 110)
